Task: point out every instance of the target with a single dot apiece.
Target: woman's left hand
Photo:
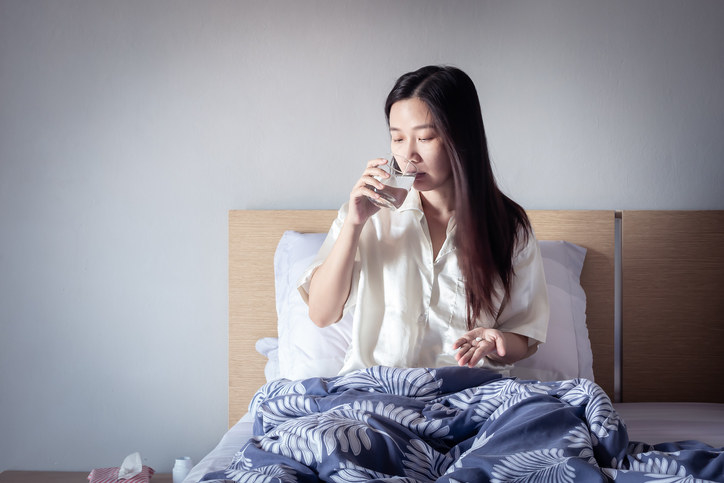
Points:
(479, 343)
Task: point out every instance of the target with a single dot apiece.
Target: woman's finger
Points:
(471, 351)
(482, 348)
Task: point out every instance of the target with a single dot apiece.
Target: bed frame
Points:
(673, 305)
(673, 264)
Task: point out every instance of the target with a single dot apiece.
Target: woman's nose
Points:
(410, 164)
(411, 153)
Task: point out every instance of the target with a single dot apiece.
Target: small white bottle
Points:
(181, 469)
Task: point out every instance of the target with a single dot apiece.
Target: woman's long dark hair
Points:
(488, 222)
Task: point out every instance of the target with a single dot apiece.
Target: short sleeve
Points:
(526, 311)
(306, 278)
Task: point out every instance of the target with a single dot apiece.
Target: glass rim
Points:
(395, 166)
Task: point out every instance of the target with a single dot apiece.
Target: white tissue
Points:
(131, 466)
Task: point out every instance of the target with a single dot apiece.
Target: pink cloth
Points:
(110, 475)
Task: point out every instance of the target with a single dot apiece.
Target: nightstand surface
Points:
(63, 477)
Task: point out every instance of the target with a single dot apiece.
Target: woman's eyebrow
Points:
(416, 128)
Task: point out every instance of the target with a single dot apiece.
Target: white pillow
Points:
(567, 351)
(269, 348)
(305, 350)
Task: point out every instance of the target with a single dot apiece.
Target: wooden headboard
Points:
(673, 306)
(253, 237)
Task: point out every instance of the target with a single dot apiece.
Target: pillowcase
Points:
(269, 348)
(305, 350)
(567, 351)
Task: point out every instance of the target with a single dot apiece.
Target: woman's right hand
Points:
(331, 282)
(360, 207)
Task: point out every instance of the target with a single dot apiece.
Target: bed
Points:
(637, 301)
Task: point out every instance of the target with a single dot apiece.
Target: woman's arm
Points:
(331, 282)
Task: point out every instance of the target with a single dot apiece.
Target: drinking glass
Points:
(402, 173)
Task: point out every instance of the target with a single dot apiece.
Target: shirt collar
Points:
(412, 202)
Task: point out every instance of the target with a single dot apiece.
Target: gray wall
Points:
(129, 128)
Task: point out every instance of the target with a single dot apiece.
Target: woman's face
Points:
(413, 135)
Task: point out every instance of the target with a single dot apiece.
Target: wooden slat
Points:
(673, 306)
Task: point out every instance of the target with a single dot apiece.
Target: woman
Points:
(454, 276)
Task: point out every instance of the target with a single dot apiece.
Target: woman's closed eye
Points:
(426, 135)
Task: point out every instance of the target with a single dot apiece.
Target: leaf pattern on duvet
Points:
(494, 398)
(424, 463)
(352, 473)
(278, 410)
(474, 397)
(646, 463)
(272, 389)
(240, 469)
(486, 399)
(601, 417)
(510, 401)
(480, 441)
(264, 474)
(310, 438)
(546, 465)
(408, 418)
(346, 429)
(580, 438)
(240, 460)
(421, 384)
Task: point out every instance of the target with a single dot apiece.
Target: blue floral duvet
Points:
(451, 424)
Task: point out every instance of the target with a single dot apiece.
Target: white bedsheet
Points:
(646, 422)
(665, 422)
(220, 457)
